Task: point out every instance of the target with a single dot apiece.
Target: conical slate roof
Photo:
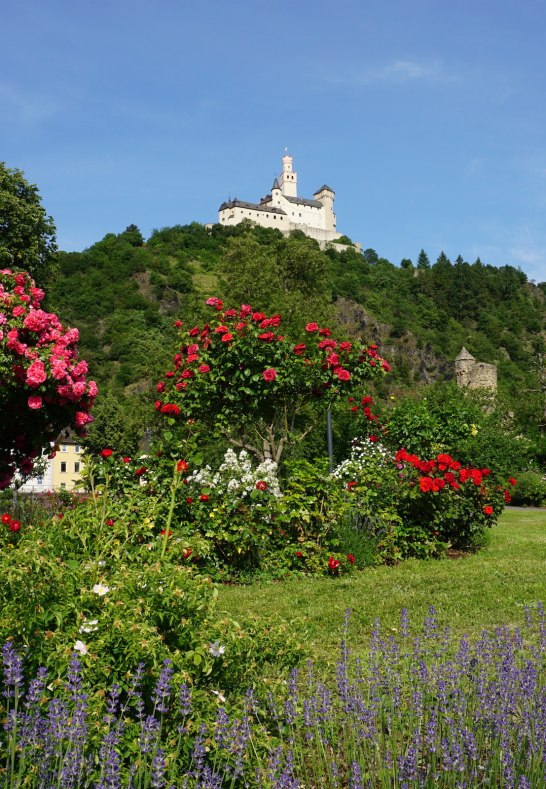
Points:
(323, 188)
(464, 355)
(275, 184)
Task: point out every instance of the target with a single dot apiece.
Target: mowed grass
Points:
(471, 593)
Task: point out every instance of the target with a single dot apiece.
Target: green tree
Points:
(27, 234)
(423, 260)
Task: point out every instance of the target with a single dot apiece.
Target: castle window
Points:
(63, 448)
(76, 468)
(63, 468)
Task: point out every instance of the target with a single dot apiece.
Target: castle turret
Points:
(276, 193)
(289, 178)
(464, 365)
(325, 195)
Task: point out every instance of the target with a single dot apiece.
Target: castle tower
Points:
(276, 193)
(289, 178)
(325, 195)
(464, 366)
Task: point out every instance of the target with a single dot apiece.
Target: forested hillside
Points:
(124, 294)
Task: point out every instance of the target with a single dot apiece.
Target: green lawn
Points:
(471, 593)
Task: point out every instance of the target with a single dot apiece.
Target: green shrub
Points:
(113, 588)
(530, 490)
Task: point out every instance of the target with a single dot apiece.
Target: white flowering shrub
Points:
(366, 457)
(237, 477)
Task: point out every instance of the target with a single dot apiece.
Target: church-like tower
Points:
(289, 178)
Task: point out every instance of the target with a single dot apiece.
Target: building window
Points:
(63, 485)
(64, 448)
(39, 480)
(77, 449)
(63, 468)
(76, 468)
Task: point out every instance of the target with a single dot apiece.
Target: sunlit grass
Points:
(471, 593)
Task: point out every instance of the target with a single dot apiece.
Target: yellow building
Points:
(61, 472)
(67, 465)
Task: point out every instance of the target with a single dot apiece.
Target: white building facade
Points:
(285, 211)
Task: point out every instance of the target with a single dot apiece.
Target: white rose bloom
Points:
(101, 589)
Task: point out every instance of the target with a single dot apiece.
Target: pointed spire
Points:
(275, 184)
(464, 355)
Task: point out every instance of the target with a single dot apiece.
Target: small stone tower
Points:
(473, 374)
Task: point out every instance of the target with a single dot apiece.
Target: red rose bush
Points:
(240, 374)
(43, 385)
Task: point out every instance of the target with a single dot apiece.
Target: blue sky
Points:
(426, 117)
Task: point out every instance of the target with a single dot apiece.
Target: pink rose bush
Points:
(43, 386)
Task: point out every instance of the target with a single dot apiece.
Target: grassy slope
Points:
(472, 593)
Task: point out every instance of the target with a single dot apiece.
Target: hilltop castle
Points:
(284, 210)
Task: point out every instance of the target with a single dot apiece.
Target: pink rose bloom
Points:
(18, 311)
(270, 374)
(80, 369)
(36, 374)
(3, 318)
(78, 390)
(35, 402)
(58, 369)
(93, 389)
(82, 418)
(36, 320)
(72, 335)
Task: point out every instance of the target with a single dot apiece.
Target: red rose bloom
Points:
(311, 327)
(299, 349)
(110, 521)
(170, 408)
(106, 453)
(203, 497)
(350, 485)
(258, 316)
(182, 465)
(140, 471)
(227, 337)
(187, 553)
(189, 500)
(267, 336)
(333, 564)
(488, 509)
(507, 497)
(15, 526)
(270, 374)
(160, 386)
(512, 481)
(6, 518)
(299, 554)
(261, 485)
(351, 559)
(195, 331)
(204, 368)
